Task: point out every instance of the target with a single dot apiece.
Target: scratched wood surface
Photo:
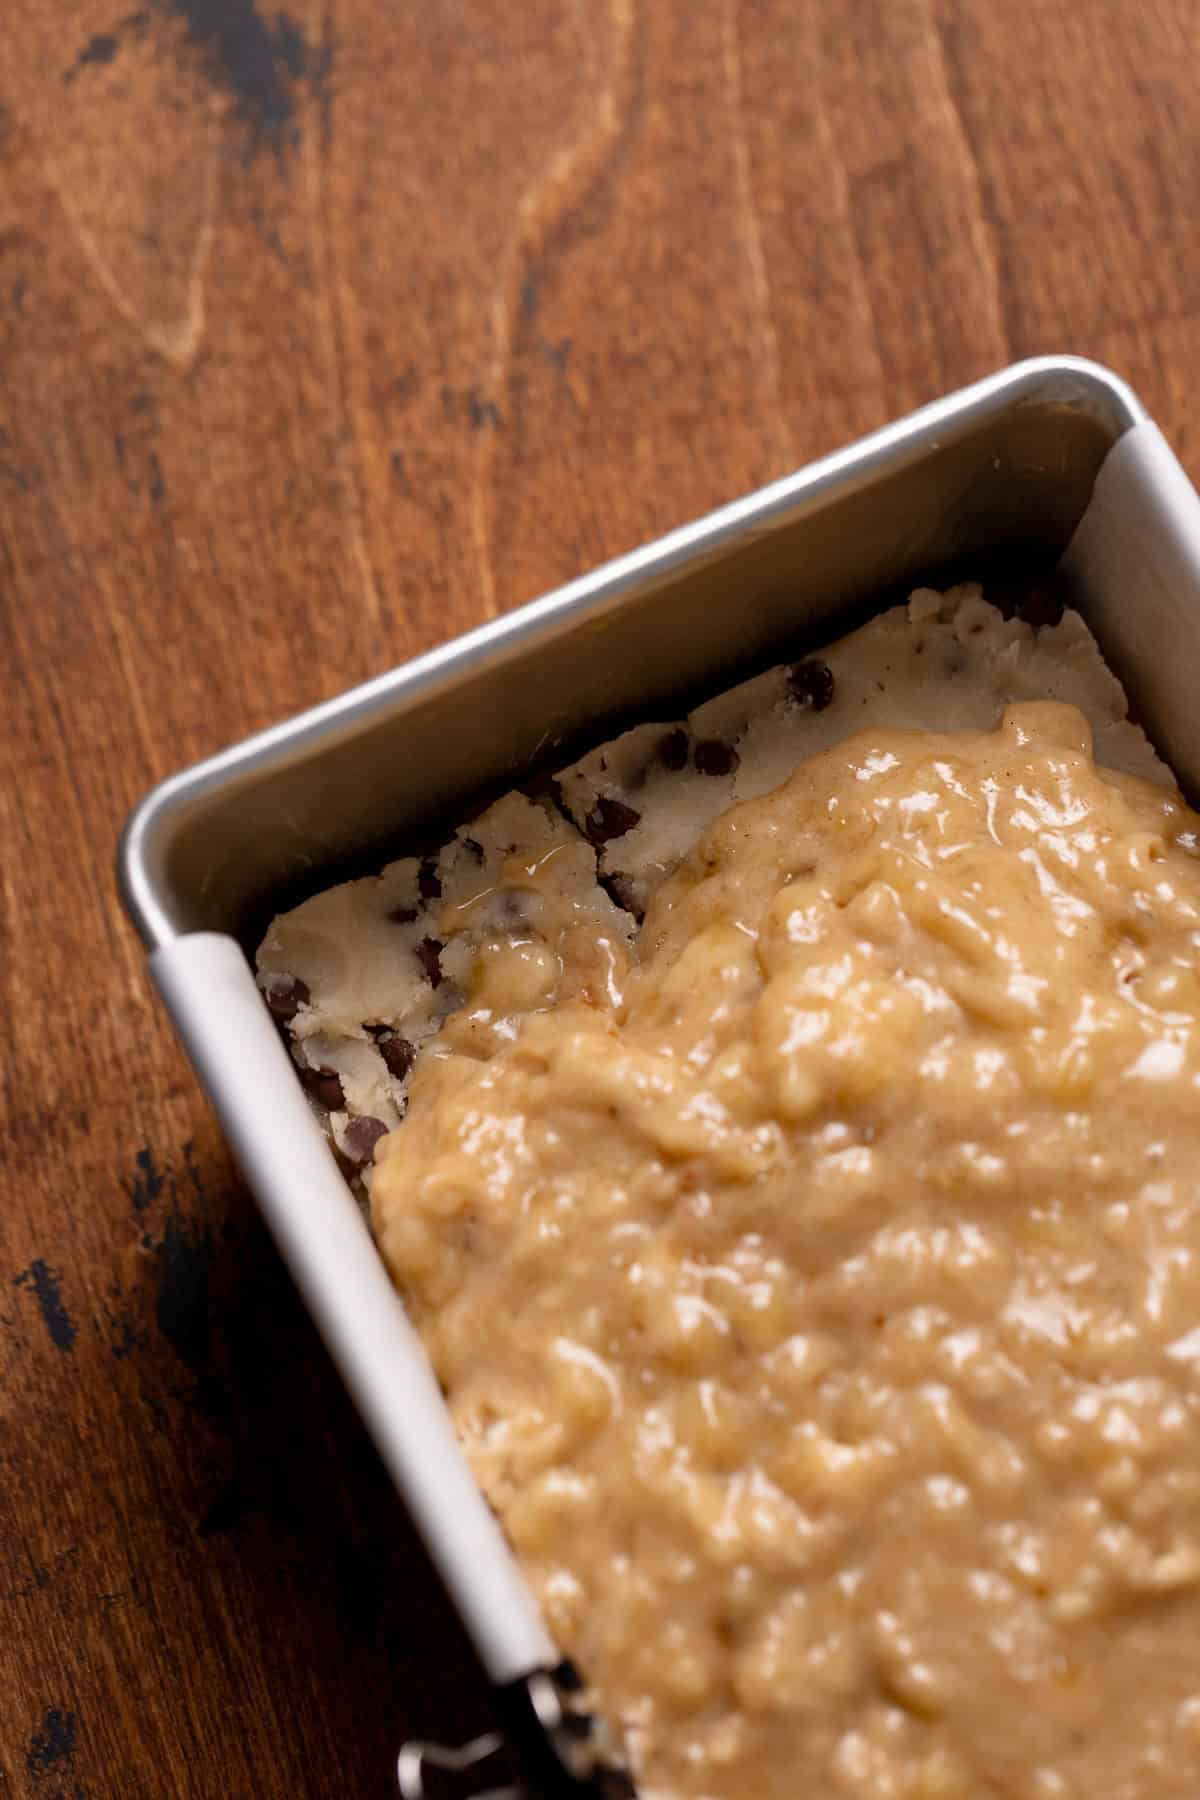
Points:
(324, 334)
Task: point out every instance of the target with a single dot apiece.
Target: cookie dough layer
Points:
(944, 662)
(363, 975)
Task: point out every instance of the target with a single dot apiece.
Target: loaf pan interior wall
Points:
(324, 799)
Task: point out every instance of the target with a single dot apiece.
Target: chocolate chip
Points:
(398, 1056)
(473, 848)
(609, 818)
(1039, 606)
(621, 892)
(325, 1086)
(429, 882)
(429, 955)
(285, 995)
(715, 757)
(672, 750)
(360, 1138)
(614, 1784)
(403, 915)
(811, 684)
(566, 1676)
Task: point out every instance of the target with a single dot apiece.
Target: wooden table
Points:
(322, 335)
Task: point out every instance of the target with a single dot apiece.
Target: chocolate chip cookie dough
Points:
(364, 974)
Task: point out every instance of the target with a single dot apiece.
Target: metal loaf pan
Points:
(1052, 464)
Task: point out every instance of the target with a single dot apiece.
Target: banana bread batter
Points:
(816, 1283)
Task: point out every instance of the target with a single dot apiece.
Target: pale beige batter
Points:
(818, 1295)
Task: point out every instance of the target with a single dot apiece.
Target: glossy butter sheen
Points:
(817, 1295)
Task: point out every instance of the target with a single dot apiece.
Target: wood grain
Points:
(325, 333)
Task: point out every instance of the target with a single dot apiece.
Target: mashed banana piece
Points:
(820, 1301)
